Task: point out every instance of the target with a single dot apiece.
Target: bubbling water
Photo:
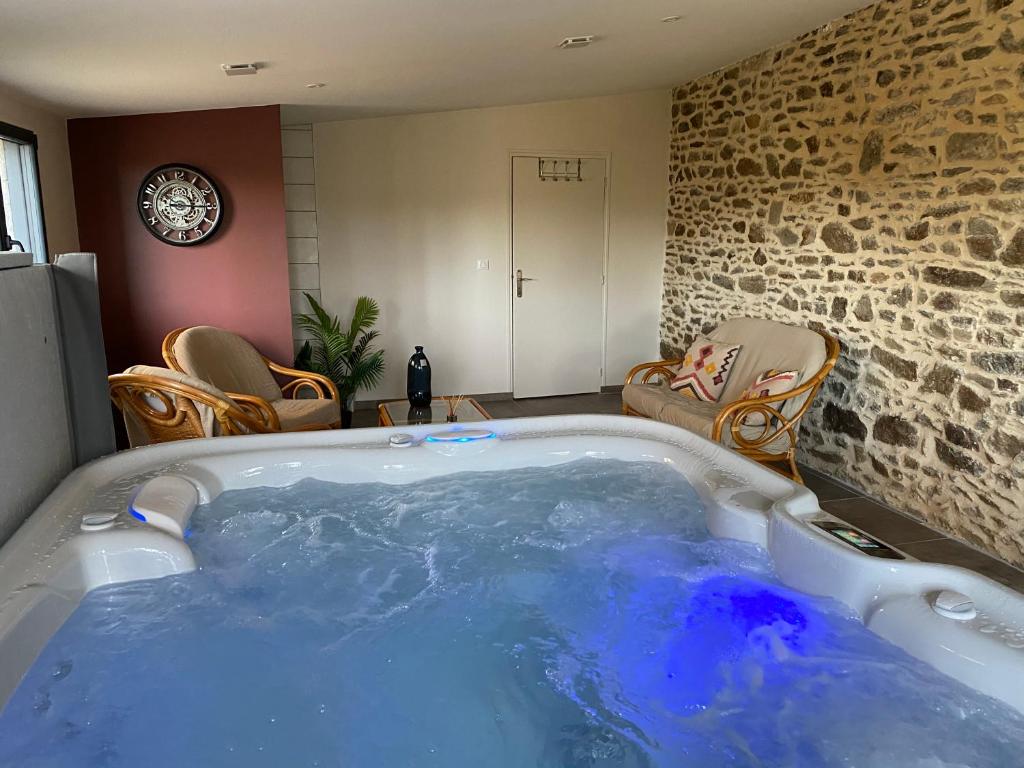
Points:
(575, 616)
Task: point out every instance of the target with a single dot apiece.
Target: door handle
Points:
(519, 282)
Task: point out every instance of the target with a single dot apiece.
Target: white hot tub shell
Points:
(88, 533)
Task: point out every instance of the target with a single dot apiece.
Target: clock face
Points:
(180, 205)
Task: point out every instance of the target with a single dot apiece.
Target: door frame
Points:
(510, 256)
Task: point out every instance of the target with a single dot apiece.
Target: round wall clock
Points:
(180, 204)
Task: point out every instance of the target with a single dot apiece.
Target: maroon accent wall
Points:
(238, 280)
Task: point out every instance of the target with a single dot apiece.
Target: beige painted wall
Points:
(407, 205)
(54, 167)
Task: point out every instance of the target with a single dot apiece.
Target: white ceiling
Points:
(104, 57)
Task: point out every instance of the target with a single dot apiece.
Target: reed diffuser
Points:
(453, 406)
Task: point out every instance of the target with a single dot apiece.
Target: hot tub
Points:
(128, 518)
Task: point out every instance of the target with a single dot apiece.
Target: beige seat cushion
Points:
(137, 433)
(694, 415)
(225, 360)
(657, 401)
(647, 399)
(300, 413)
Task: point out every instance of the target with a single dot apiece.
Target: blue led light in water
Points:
(762, 608)
(137, 515)
(738, 607)
(735, 625)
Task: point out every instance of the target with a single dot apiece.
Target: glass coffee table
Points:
(396, 413)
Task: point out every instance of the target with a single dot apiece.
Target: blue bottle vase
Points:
(418, 380)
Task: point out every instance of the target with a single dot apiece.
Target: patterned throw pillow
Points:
(705, 369)
(770, 382)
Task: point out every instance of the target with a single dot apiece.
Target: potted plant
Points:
(344, 356)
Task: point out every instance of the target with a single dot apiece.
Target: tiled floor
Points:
(903, 532)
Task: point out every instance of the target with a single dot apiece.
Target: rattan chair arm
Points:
(738, 411)
(774, 424)
(662, 367)
(323, 387)
(293, 388)
(779, 398)
(167, 350)
(231, 414)
(258, 409)
(123, 388)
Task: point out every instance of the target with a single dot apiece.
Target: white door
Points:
(558, 247)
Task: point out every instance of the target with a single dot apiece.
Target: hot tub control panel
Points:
(858, 539)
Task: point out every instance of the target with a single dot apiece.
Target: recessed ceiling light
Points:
(577, 41)
(240, 69)
(315, 85)
(670, 19)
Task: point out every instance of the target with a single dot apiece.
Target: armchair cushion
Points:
(225, 360)
(690, 414)
(768, 383)
(647, 399)
(705, 369)
(296, 414)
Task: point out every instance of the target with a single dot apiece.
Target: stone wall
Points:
(868, 179)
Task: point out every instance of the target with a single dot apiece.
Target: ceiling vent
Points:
(579, 41)
(239, 69)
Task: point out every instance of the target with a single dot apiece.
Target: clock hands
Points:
(182, 206)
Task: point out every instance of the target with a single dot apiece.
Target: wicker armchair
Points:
(228, 362)
(764, 429)
(160, 405)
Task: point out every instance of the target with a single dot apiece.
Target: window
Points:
(21, 226)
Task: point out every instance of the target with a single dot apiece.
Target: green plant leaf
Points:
(347, 358)
(365, 315)
(367, 372)
(363, 344)
(304, 358)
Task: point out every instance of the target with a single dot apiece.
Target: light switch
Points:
(483, 264)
